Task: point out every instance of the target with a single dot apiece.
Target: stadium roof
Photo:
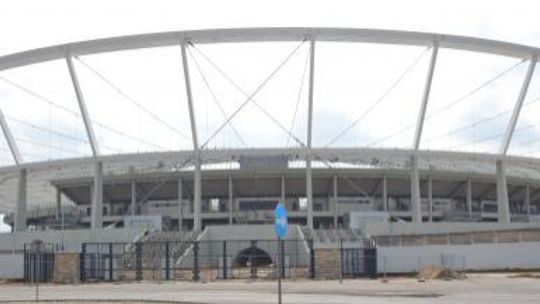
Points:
(470, 105)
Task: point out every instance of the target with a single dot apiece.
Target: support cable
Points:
(458, 100)
(529, 141)
(494, 136)
(36, 143)
(59, 134)
(391, 135)
(466, 127)
(77, 114)
(479, 122)
(481, 140)
(474, 90)
(252, 95)
(126, 135)
(214, 97)
(137, 104)
(47, 130)
(306, 64)
(517, 130)
(380, 99)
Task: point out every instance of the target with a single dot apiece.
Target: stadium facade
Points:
(322, 188)
(243, 186)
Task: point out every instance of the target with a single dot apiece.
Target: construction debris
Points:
(432, 272)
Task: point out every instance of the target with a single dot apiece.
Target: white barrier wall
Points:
(403, 259)
(70, 239)
(12, 244)
(11, 266)
(408, 228)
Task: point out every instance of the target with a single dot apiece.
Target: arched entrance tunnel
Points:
(252, 256)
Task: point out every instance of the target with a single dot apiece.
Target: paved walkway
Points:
(477, 289)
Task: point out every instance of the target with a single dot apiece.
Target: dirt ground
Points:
(477, 288)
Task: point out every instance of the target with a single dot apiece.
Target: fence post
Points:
(251, 262)
(196, 261)
(53, 260)
(370, 262)
(25, 268)
(167, 262)
(341, 260)
(311, 260)
(282, 253)
(224, 259)
(110, 261)
(38, 259)
(82, 263)
(138, 261)
(384, 280)
(419, 276)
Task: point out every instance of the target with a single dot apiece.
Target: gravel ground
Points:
(477, 288)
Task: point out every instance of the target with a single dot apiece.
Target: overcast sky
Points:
(349, 78)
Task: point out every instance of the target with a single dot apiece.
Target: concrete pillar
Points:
(416, 208)
(309, 191)
(180, 205)
(528, 202)
(283, 195)
(58, 204)
(503, 207)
(309, 156)
(385, 193)
(335, 200)
(430, 199)
(469, 198)
(197, 197)
(97, 197)
(133, 197)
(20, 211)
(231, 189)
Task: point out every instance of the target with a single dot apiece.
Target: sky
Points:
(370, 94)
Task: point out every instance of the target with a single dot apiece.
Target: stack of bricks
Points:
(327, 263)
(66, 268)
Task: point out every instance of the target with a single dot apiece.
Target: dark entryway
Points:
(252, 256)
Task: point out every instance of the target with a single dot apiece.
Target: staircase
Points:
(155, 247)
(336, 236)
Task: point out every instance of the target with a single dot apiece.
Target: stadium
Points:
(208, 203)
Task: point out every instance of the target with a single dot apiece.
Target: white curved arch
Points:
(266, 34)
(240, 35)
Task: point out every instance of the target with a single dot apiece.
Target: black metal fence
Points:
(213, 260)
(38, 262)
(194, 260)
(358, 262)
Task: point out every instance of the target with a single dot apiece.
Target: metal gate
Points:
(38, 262)
(110, 261)
(359, 262)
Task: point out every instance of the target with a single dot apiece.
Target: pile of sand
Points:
(433, 272)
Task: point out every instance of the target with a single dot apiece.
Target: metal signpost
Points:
(281, 228)
(36, 247)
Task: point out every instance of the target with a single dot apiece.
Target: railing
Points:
(478, 237)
